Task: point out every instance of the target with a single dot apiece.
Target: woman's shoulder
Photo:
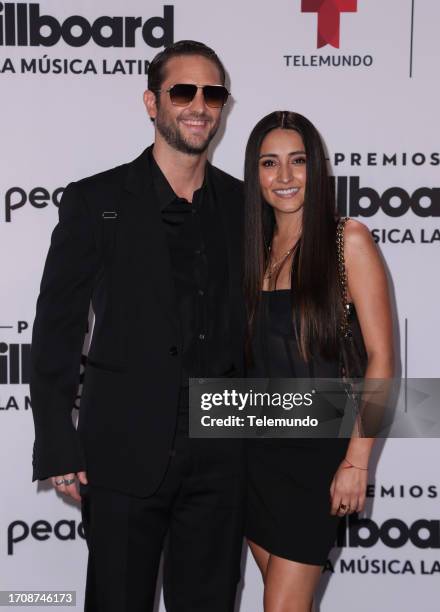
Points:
(357, 240)
(357, 234)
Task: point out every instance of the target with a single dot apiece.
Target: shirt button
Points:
(201, 292)
(198, 251)
(173, 350)
(193, 210)
(201, 336)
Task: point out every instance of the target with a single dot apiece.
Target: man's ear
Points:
(150, 103)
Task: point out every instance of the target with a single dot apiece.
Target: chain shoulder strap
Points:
(345, 325)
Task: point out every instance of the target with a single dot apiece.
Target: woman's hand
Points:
(348, 489)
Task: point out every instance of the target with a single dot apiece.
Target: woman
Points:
(300, 488)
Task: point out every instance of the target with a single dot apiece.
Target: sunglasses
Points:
(183, 94)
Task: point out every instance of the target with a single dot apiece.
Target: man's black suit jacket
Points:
(109, 248)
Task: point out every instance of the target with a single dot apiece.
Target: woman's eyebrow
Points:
(276, 155)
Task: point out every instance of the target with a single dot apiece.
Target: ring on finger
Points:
(60, 482)
(69, 481)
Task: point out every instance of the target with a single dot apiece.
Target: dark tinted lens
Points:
(215, 95)
(183, 94)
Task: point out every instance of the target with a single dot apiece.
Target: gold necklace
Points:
(273, 267)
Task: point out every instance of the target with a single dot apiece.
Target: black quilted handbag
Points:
(353, 354)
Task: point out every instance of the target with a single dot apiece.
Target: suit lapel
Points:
(152, 244)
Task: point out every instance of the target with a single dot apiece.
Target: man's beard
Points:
(175, 139)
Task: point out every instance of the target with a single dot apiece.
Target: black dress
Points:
(288, 511)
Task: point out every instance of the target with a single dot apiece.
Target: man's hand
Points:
(67, 484)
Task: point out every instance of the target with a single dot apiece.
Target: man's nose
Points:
(198, 103)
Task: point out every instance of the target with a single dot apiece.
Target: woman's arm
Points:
(368, 290)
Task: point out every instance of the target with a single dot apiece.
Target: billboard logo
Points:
(357, 201)
(329, 18)
(14, 363)
(22, 25)
(394, 533)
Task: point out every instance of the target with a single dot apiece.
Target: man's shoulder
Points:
(104, 180)
(109, 180)
(92, 192)
(227, 180)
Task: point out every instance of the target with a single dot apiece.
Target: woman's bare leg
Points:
(261, 557)
(289, 585)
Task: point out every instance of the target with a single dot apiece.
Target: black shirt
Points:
(195, 236)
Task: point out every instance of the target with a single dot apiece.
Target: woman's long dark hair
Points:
(314, 280)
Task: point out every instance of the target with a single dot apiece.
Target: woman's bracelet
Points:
(350, 465)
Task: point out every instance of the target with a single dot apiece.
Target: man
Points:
(154, 245)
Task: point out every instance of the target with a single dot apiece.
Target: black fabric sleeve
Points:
(58, 336)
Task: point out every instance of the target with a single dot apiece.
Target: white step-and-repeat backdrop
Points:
(366, 73)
